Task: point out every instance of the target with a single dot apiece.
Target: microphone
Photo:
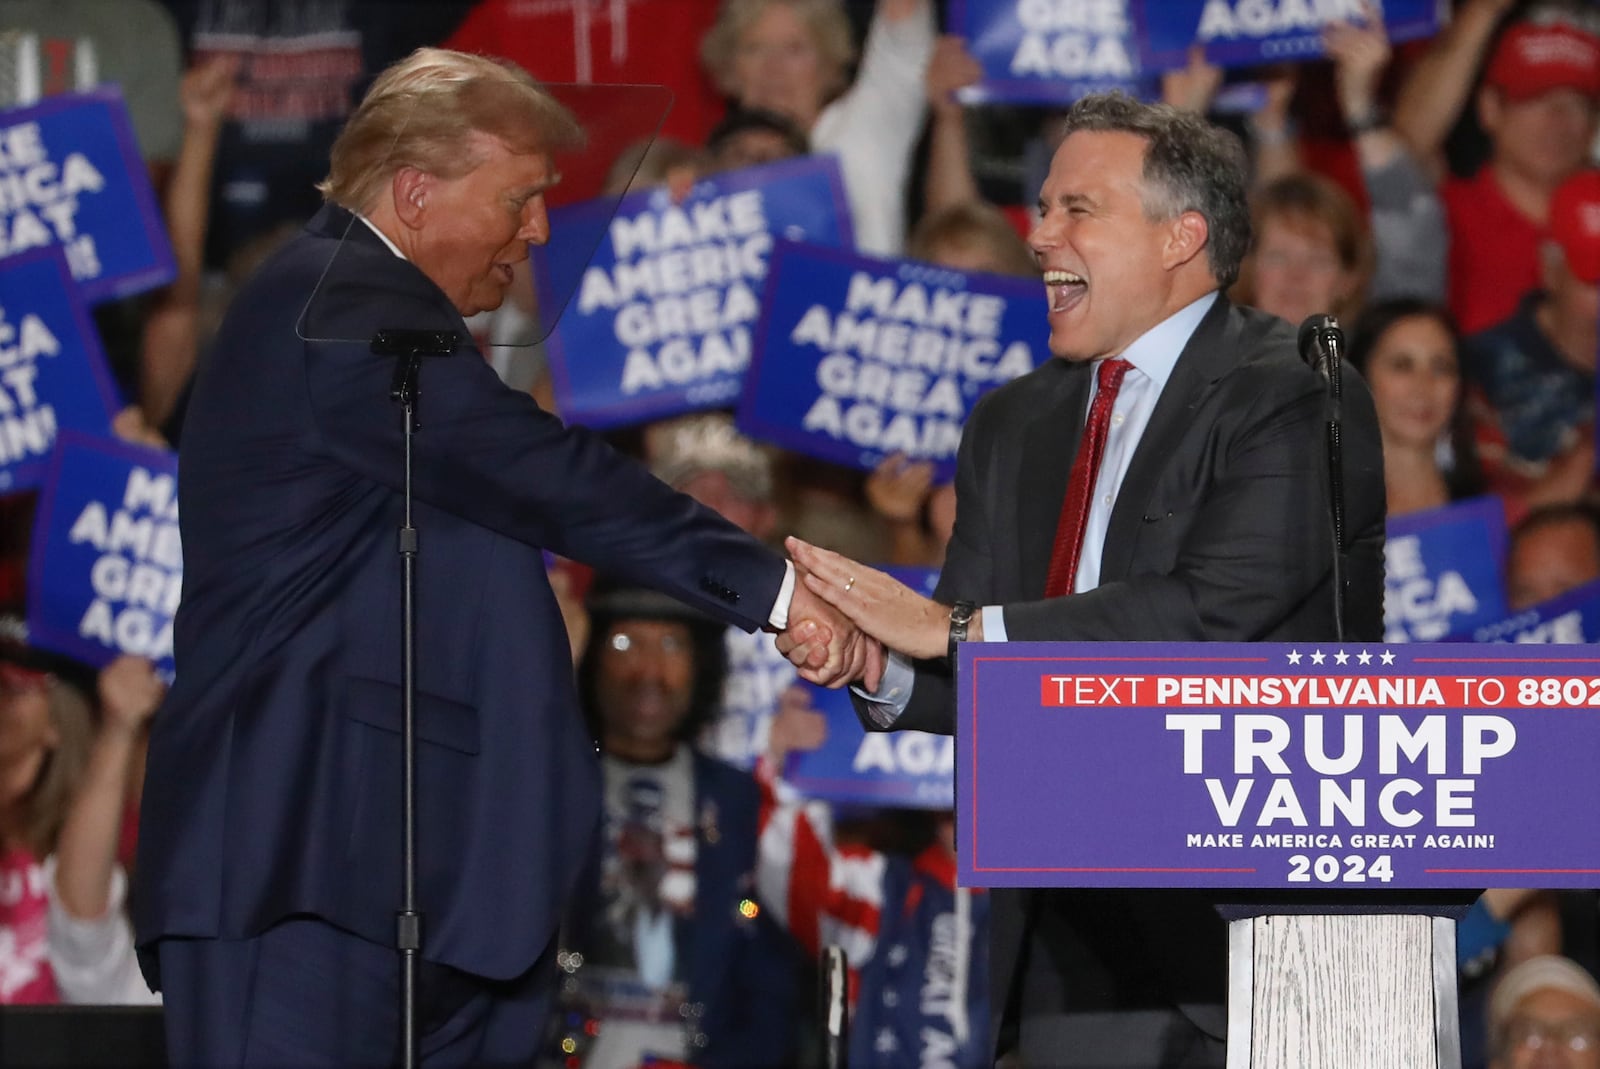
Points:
(1322, 343)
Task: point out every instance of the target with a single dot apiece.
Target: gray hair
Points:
(1189, 166)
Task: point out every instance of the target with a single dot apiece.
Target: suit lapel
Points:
(1048, 445)
(1205, 358)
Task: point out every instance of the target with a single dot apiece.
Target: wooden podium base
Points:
(1331, 991)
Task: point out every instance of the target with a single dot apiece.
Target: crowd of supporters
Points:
(1439, 197)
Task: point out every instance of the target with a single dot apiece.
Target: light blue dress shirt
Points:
(1153, 355)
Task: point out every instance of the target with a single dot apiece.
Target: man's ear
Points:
(410, 190)
(1186, 239)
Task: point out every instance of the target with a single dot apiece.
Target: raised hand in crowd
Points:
(796, 727)
(1361, 53)
(86, 856)
(1272, 128)
(1194, 86)
(950, 179)
(1439, 84)
(131, 425)
(171, 339)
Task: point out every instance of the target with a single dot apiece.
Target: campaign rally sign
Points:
(903, 769)
(106, 566)
(1352, 766)
(857, 358)
(1571, 618)
(1049, 51)
(757, 677)
(71, 178)
(660, 324)
(52, 372)
(1244, 33)
(1444, 571)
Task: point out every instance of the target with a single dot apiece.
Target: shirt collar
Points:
(1156, 351)
(382, 236)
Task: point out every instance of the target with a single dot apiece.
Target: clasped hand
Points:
(841, 603)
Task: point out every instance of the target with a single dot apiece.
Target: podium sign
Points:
(1340, 767)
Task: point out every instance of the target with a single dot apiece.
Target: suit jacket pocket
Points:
(440, 721)
(1159, 539)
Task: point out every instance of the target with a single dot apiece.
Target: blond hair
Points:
(422, 112)
(825, 19)
(56, 784)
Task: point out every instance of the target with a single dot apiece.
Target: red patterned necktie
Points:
(1080, 487)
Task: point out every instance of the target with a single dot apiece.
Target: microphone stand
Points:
(1322, 345)
(408, 347)
(835, 987)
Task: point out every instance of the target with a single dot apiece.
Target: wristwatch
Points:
(960, 616)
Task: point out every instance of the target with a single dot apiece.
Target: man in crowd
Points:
(1545, 1014)
(270, 846)
(673, 958)
(1553, 549)
(1538, 102)
(1161, 481)
(1535, 370)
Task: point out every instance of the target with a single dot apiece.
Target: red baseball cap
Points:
(1532, 58)
(1575, 224)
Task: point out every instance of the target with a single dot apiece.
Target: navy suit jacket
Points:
(1220, 532)
(273, 783)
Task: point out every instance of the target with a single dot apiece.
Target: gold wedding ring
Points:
(848, 583)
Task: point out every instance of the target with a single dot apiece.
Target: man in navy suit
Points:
(673, 959)
(270, 846)
(1204, 518)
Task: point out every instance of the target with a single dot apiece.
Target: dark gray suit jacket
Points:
(1220, 532)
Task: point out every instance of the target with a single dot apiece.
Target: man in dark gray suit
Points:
(1195, 510)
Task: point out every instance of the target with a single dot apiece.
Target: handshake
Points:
(845, 616)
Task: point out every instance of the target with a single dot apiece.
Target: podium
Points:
(1344, 803)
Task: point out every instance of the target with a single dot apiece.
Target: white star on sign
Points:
(1388, 658)
(1294, 656)
(1341, 657)
(1365, 657)
(1318, 657)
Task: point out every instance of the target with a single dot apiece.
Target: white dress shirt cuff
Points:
(885, 705)
(994, 623)
(780, 608)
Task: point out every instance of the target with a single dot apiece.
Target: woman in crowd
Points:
(793, 57)
(1408, 350)
(1311, 253)
(46, 731)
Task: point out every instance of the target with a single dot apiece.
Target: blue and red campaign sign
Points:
(661, 320)
(1245, 33)
(1334, 765)
(53, 375)
(1444, 571)
(857, 358)
(71, 178)
(1572, 617)
(1050, 51)
(106, 565)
